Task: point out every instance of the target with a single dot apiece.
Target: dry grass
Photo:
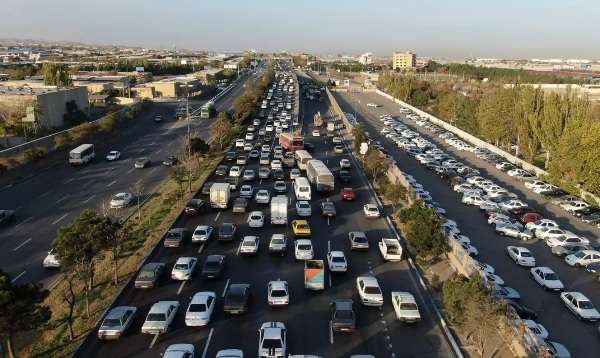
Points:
(158, 215)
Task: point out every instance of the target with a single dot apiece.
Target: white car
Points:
(249, 175)
(574, 206)
(583, 258)
(278, 293)
(246, 191)
(336, 260)
(374, 105)
(113, 155)
(541, 224)
(239, 143)
(160, 317)
(272, 340)
(512, 230)
(121, 200)
(513, 204)
(472, 199)
(535, 184)
(202, 233)
(249, 136)
(200, 309)
(256, 219)
(276, 164)
(371, 211)
(179, 350)
(369, 291)
(470, 249)
(546, 278)
(466, 187)
(249, 245)
(491, 278)
(569, 239)
(248, 147)
(229, 353)
(521, 256)
(316, 133)
(537, 328)
(549, 233)
(184, 268)
(337, 140)
(303, 208)
(269, 128)
(295, 173)
(482, 266)
(262, 196)
(580, 305)
(51, 261)
(406, 307)
(235, 171)
(345, 163)
(390, 249)
(303, 249)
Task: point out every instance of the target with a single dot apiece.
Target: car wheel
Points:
(577, 264)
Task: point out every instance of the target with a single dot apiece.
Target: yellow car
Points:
(301, 228)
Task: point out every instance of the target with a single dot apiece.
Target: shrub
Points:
(83, 131)
(33, 154)
(61, 141)
(422, 230)
(108, 123)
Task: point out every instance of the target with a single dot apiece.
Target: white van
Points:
(302, 188)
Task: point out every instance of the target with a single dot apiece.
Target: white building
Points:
(366, 58)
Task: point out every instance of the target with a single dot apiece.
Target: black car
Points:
(345, 176)
(6, 216)
(170, 161)
(149, 275)
(194, 206)
(309, 147)
(222, 170)
(240, 205)
(522, 311)
(343, 318)
(213, 266)
(328, 209)
(237, 298)
(227, 232)
(230, 156)
(206, 188)
(254, 154)
(278, 174)
(594, 268)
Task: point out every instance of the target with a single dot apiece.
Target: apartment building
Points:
(404, 60)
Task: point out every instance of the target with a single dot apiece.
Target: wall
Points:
(53, 105)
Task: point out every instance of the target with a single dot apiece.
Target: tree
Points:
(359, 133)
(70, 298)
(21, 309)
(57, 74)
(178, 174)
(375, 163)
(421, 226)
(197, 145)
(116, 237)
(222, 130)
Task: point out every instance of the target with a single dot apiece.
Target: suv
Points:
(343, 318)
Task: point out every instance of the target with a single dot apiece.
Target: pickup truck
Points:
(390, 249)
(314, 275)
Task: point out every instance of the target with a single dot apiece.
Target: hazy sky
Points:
(439, 28)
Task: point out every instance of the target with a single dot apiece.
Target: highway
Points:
(580, 338)
(307, 317)
(55, 196)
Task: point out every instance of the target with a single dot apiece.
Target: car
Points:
(358, 240)
(550, 232)
(278, 174)
(390, 249)
(276, 164)
(328, 209)
(254, 154)
(249, 245)
(521, 256)
(149, 275)
(522, 311)
(51, 261)
(583, 258)
(575, 206)
(541, 224)
(279, 186)
(248, 147)
(512, 230)
(141, 163)
(113, 155)
(278, 293)
(546, 278)
(371, 211)
(170, 161)
(369, 291)
(295, 173)
(249, 175)
(262, 196)
(338, 149)
(537, 328)
(227, 232)
(237, 298)
(158, 119)
(580, 306)
(264, 173)
(184, 268)
(272, 340)
(193, 206)
(347, 194)
(303, 249)
(309, 147)
(235, 171)
(116, 322)
(301, 227)
(336, 261)
(176, 237)
(555, 350)
(222, 170)
(374, 105)
(343, 318)
(569, 239)
(160, 317)
(246, 191)
(337, 140)
(121, 200)
(345, 163)
(256, 219)
(230, 156)
(278, 244)
(513, 204)
(240, 205)
(180, 350)
(530, 217)
(303, 208)
(344, 176)
(230, 353)
(200, 309)
(316, 133)
(406, 307)
(505, 292)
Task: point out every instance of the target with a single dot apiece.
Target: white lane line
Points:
(328, 246)
(207, 342)
(59, 219)
(158, 151)
(90, 198)
(201, 248)
(18, 277)
(138, 181)
(152, 171)
(153, 341)
(153, 143)
(170, 144)
(181, 287)
(141, 151)
(130, 170)
(22, 244)
(68, 181)
(331, 332)
(88, 183)
(237, 253)
(111, 183)
(63, 198)
(24, 221)
(217, 217)
(328, 224)
(225, 288)
(44, 194)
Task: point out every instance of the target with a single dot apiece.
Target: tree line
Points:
(156, 68)
(560, 132)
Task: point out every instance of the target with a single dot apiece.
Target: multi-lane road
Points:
(55, 196)
(580, 338)
(307, 317)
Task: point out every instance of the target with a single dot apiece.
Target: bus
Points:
(291, 141)
(207, 110)
(82, 154)
(319, 175)
(302, 188)
(302, 157)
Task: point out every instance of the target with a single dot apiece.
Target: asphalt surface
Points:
(307, 316)
(56, 196)
(580, 338)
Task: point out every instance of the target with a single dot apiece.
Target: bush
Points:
(61, 141)
(131, 114)
(421, 226)
(33, 154)
(83, 131)
(108, 123)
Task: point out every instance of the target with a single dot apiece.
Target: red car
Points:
(530, 218)
(347, 194)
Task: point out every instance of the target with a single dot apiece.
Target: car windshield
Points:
(181, 266)
(226, 229)
(338, 259)
(344, 314)
(580, 254)
(393, 250)
(200, 232)
(303, 189)
(277, 241)
(111, 322)
(156, 317)
(526, 254)
(197, 307)
(586, 305)
(278, 293)
(372, 290)
(409, 306)
(249, 243)
(304, 247)
(270, 343)
(256, 217)
(551, 276)
(360, 239)
(146, 274)
(302, 226)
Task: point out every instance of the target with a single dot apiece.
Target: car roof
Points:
(214, 257)
(238, 287)
(152, 266)
(337, 253)
(279, 285)
(180, 347)
(118, 311)
(368, 280)
(201, 297)
(343, 303)
(250, 238)
(577, 295)
(545, 269)
(404, 296)
(303, 242)
(162, 306)
(183, 260)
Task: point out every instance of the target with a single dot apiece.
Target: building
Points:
(172, 87)
(366, 58)
(52, 103)
(404, 60)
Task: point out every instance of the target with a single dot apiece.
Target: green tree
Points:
(222, 130)
(375, 163)
(178, 174)
(57, 74)
(197, 145)
(359, 133)
(21, 309)
(116, 236)
(421, 226)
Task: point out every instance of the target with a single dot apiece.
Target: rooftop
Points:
(29, 91)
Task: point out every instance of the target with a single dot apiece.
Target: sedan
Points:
(568, 239)
(512, 230)
(338, 149)
(295, 173)
(278, 244)
(345, 163)
(237, 298)
(406, 307)
(278, 293)
(227, 232)
(246, 191)
(347, 194)
(264, 173)
(316, 133)
(235, 171)
(328, 209)
(149, 275)
(336, 261)
(121, 200)
(116, 322)
(358, 240)
(303, 208)
(279, 186)
(113, 155)
(583, 258)
(344, 176)
(303, 249)
(222, 170)
(160, 317)
(249, 175)
(249, 245)
(343, 318)
(184, 268)
(580, 305)
(301, 228)
(369, 291)
(213, 266)
(141, 163)
(170, 161)
(546, 278)
(521, 256)
(256, 219)
(262, 196)
(200, 309)
(371, 211)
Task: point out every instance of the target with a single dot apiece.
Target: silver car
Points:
(116, 322)
(358, 240)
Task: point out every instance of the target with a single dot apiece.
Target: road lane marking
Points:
(88, 183)
(22, 244)
(153, 341)
(237, 253)
(217, 217)
(90, 198)
(225, 288)
(158, 151)
(328, 246)
(153, 143)
(63, 198)
(328, 223)
(111, 183)
(24, 221)
(152, 171)
(68, 181)
(44, 194)
(331, 332)
(141, 151)
(207, 342)
(18, 277)
(59, 219)
(130, 170)
(138, 181)
(330, 281)
(201, 248)
(181, 287)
